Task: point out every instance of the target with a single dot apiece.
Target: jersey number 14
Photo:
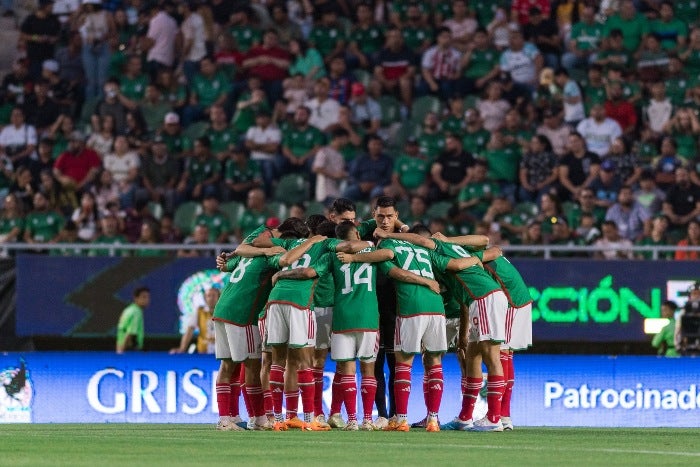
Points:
(363, 275)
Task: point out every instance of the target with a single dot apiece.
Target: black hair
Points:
(343, 229)
(385, 202)
(339, 133)
(341, 205)
(326, 228)
(671, 304)
(204, 141)
(544, 141)
(295, 226)
(139, 290)
(419, 229)
(313, 221)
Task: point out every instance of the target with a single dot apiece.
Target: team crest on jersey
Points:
(16, 394)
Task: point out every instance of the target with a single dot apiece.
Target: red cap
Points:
(357, 89)
(272, 222)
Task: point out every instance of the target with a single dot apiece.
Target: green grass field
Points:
(140, 444)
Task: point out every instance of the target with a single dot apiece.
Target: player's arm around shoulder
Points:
(406, 237)
(377, 256)
(300, 250)
(402, 275)
(474, 241)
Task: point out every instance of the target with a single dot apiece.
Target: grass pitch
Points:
(172, 445)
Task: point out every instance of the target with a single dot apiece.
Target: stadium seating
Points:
(292, 188)
(185, 215)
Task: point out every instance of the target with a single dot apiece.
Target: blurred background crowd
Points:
(532, 121)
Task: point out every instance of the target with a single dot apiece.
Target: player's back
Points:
(355, 308)
(246, 291)
(473, 280)
(506, 274)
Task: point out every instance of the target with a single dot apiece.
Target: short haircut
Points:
(385, 202)
(671, 304)
(140, 289)
(313, 221)
(339, 133)
(419, 229)
(326, 228)
(341, 205)
(295, 226)
(343, 229)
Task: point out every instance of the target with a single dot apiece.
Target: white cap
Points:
(51, 65)
(171, 117)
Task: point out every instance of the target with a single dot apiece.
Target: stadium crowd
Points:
(531, 121)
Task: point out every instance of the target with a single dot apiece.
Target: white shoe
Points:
(484, 424)
(321, 420)
(250, 425)
(367, 425)
(351, 426)
(507, 423)
(336, 421)
(226, 424)
(267, 426)
(381, 422)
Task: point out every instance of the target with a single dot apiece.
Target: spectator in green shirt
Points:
(672, 31)
(663, 342)
(586, 36)
(202, 173)
(209, 87)
(130, 329)
(633, 24)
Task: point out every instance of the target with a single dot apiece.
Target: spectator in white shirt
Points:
(494, 108)
(329, 167)
(615, 247)
(263, 141)
(522, 60)
(324, 110)
(124, 165)
(659, 110)
(18, 139)
(194, 38)
(599, 131)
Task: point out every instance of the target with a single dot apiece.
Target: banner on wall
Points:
(96, 387)
(578, 300)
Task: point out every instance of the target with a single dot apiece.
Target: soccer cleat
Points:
(380, 423)
(367, 425)
(432, 426)
(239, 421)
(458, 425)
(403, 426)
(507, 423)
(294, 422)
(351, 426)
(421, 424)
(315, 426)
(321, 420)
(280, 426)
(485, 424)
(267, 426)
(336, 421)
(225, 424)
(250, 425)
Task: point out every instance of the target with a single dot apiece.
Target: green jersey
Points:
(326, 38)
(416, 37)
(503, 163)
(133, 88)
(355, 308)
(217, 223)
(367, 228)
(481, 63)
(669, 32)
(246, 36)
(249, 221)
(200, 170)
(176, 144)
(431, 144)
(587, 36)
(221, 140)
(412, 171)
(511, 281)
(131, 322)
(300, 141)
(246, 291)
(452, 307)
(369, 40)
(633, 29)
(210, 88)
(454, 125)
(7, 224)
(300, 293)
(483, 191)
(665, 340)
(469, 284)
(115, 240)
(234, 173)
(413, 299)
(475, 142)
(43, 226)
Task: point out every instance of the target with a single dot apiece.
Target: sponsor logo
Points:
(556, 395)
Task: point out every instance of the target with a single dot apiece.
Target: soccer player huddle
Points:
(306, 287)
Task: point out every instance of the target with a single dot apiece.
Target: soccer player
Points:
(291, 323)
(518, 325)
(421, 322)
(355, 325)
(487, 305)
(238, 340)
